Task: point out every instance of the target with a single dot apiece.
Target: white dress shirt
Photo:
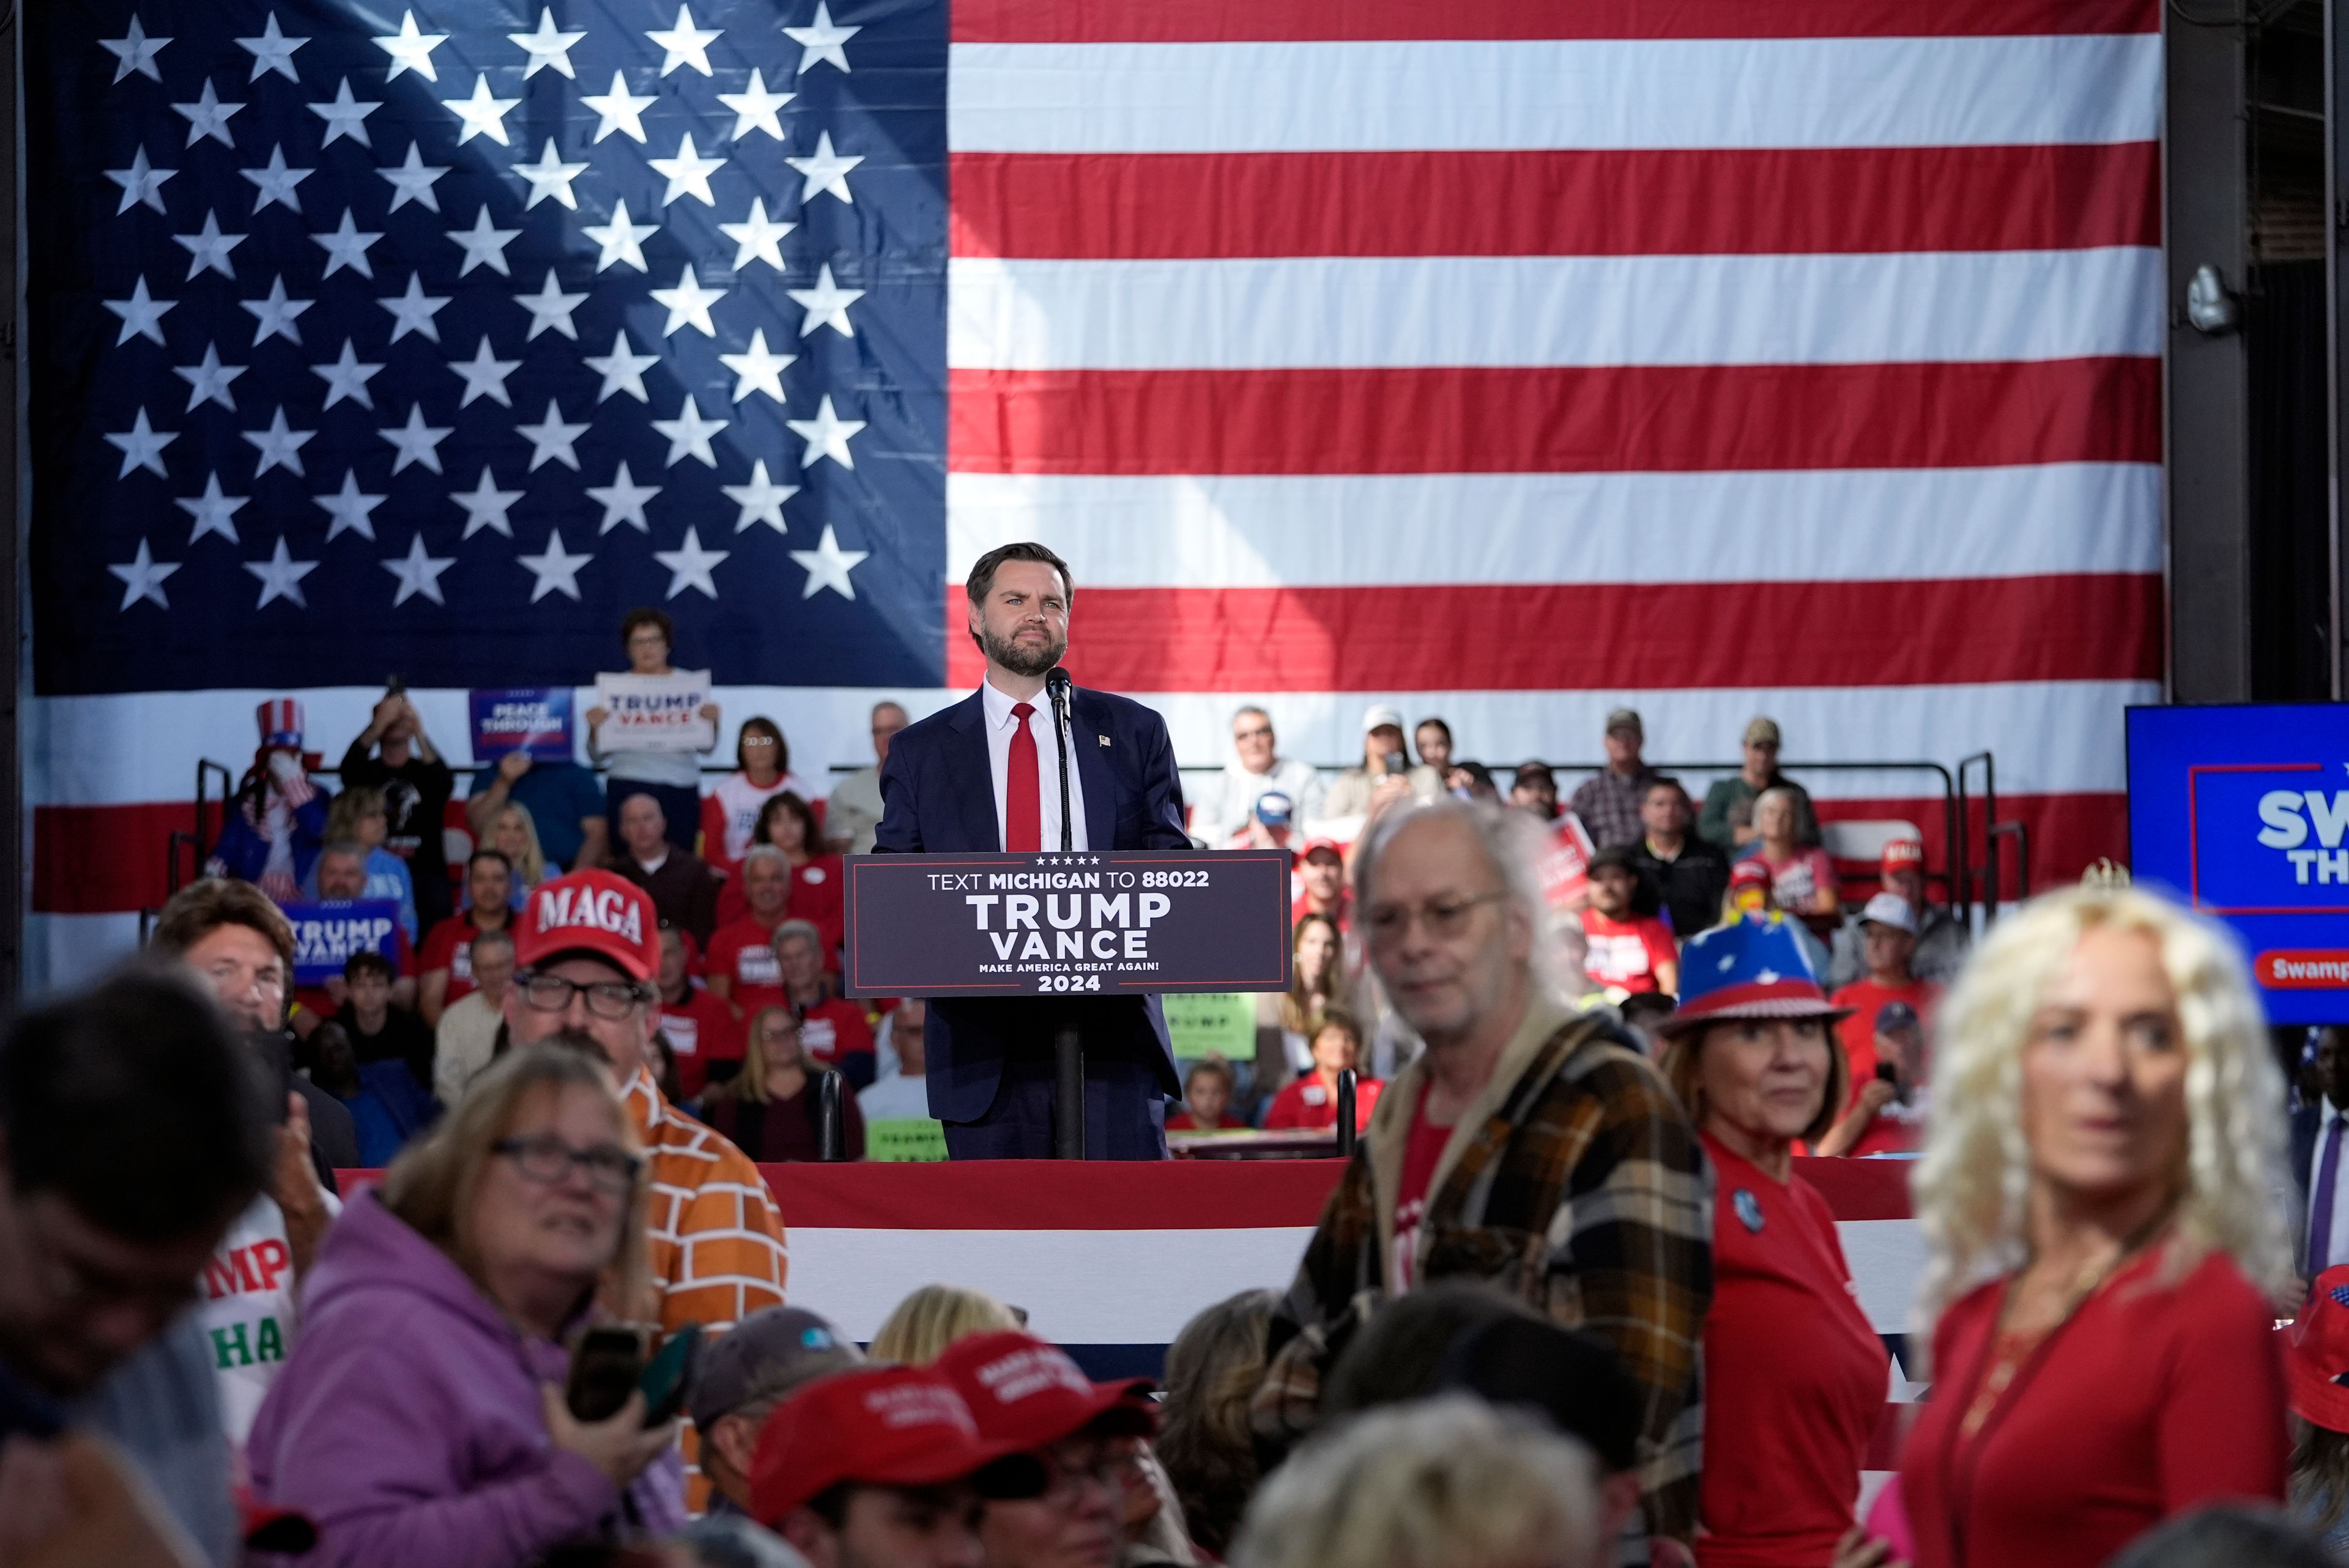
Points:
(1001, 722)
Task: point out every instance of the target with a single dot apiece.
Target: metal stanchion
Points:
(1346, 1112)
(1069, 1101)
(831, 1133)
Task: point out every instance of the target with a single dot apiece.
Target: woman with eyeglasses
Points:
(421, 1418)
(762, 768)
(770, 1108)
(672, 778)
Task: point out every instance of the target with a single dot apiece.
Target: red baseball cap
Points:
(590, 911)
(1329, 844)
(1749, 873)
(1028, 1393)
(883, 1425)
(2317, 1354)
(1904, 854)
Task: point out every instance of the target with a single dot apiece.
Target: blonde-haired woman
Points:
(770, 1108)
(920, 1328)
(359, 816)
(2098, 1191)
(419, 1417)
(513, 834)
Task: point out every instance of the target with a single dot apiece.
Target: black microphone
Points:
(1056, 686)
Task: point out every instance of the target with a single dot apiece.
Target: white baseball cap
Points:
(1889, 909)
(1380, 715)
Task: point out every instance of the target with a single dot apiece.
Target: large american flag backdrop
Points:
(1508, 359)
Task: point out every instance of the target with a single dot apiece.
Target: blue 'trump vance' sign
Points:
(2244, 811)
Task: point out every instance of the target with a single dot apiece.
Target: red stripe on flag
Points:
(1704, 201)
(104, 860)
(1214, 21)
(1638, 418)
(1615, 635)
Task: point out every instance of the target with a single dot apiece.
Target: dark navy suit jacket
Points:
(938, 797)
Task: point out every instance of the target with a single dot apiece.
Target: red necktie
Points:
(1023, 794)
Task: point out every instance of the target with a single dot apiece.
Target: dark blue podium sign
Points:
(1106, 923)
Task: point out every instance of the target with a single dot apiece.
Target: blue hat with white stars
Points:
(1753, 968)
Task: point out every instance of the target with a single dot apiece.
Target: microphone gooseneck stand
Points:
(1068, 1046)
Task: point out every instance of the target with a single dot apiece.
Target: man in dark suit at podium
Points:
(984, 775)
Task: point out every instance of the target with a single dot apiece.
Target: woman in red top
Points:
(818, 884)
(1787, 1351)
(2105, 1137)
(1312, 1100)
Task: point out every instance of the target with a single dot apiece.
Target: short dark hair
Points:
(1213, 1065)
(1666, 781)
(1342, 1018)
(982, 581)
(645, 616)
(498, 855)
(368, 961)
(1533, 772)
(135, 1103)
(203, 907)
(789, 800)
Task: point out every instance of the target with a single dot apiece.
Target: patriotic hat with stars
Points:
(281, 722)
(2317, 1354)
(1751, 968)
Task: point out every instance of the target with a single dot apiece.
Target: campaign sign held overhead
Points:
(536, 719)
(2244, 811)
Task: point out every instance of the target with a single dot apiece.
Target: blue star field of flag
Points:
(428, 339)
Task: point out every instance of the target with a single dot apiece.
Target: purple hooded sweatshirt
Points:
(407, 1422)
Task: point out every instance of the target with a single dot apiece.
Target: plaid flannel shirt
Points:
(1608, 805)
(1575, 1182)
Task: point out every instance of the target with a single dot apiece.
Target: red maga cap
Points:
(884, 1426)
(1028, 1393)
(1749, 873)
(2316, 1352)
(1904, 854)
(590, 911)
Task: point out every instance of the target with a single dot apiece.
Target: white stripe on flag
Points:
(1388, 312)
(1512, 94)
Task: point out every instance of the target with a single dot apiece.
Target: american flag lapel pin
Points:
(1103, 739)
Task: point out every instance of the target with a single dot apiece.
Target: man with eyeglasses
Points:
(1527, 1146)
(587, 959)
(1029, 1394)
(1226, 806)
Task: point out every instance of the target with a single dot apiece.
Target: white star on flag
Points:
(271, 52)
(827, 304)
(827, 171)
(279, 446)
(418, 442)
(827, 436)
(689, 172)
(134, 51)
(483, 114)
(552, 440)
(414, 310)
(141, 447)
(759, 370)
(277, 314)
(344, 116)
(486, 506)
(347, 246)
(418, 573)
(208, 382)
(621, 239)
(413, 181)
(549, 48)
(281, 576)
(410, 51)
(550, 309)
(556, 572)
(549, 177)
(685, 45)
(143, 578)
(208, 249)
(755, 109)
(688, 435)
(757, 238)
(820, 44)
(619, 109)
(623, 369)
(214, 512)
(828, 566)
(485, 245)
(485, 376)
(761, 500)
(690, 566)
(346, 377)
(274, 181)
(688, 302)
(142, 313)
(622, 501)
(207, 118)
(142, 183)
(352, 511)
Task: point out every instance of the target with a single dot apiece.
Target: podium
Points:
(1067, 923)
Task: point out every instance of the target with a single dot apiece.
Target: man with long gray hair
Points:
(1525, 1147)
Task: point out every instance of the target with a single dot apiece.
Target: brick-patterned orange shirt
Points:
(718, 1252)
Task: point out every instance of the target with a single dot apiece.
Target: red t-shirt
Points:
(1421, 1154)
(834, 1030)
(1300, 906)
(450, 945)
(1308, 1102)
(1857, 1032)
(2153, 1400)
(702, 1029)
(819, 895)
(744, 953)
(1791, 1366)
(1625, 953)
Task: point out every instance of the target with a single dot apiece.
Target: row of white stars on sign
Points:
(548, 48)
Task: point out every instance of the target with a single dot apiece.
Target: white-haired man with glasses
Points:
(587, 963)
(1526, 1147)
